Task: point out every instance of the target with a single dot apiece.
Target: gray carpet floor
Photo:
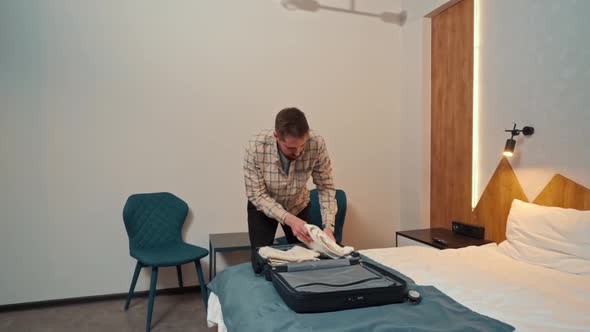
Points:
(180, 312)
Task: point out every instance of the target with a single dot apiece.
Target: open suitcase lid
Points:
(264, 267)
(318, 265)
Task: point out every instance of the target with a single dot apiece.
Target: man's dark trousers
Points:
(262, 231)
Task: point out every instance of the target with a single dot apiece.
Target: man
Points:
(277, 166)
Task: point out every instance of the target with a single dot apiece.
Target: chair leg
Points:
(151, 299)
(202, 282)
(179, 273)
(133, 282)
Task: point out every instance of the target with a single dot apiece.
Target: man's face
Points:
(291, 147)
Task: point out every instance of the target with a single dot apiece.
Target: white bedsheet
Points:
(214, 314)
(528, 297)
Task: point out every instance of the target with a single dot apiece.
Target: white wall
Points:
(535, 71)
(100, 100)
(415, 115)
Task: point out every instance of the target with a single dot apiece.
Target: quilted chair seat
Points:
(172, 255)
(154, 226)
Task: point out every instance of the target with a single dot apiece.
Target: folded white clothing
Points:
(295, 254)
(323, 244)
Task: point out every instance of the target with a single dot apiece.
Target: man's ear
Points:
(276, 135)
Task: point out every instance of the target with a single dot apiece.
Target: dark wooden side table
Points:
(225, 242)
(427, 236)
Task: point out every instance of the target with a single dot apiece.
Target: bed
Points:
(536, 280)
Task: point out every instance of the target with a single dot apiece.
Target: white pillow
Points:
(553, 237)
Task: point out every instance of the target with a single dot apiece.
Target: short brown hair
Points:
(291, 122)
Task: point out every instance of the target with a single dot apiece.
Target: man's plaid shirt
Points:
(275, 193)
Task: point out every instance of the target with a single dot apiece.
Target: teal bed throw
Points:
(250, 303)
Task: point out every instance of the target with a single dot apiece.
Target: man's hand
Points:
(330, 234)
(298, 227)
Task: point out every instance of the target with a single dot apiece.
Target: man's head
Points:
(291, 131)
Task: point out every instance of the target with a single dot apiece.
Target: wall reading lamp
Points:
(511, 143)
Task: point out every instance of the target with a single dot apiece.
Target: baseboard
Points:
(95, 298)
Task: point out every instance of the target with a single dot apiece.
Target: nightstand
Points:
(424, 238)
(225, 242)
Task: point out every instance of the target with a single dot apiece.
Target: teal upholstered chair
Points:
(316, 216)
(154, 224)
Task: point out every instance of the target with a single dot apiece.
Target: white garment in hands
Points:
(323, 244)
(295, 254)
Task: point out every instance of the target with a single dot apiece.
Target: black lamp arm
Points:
(513, 131)
(527, 131)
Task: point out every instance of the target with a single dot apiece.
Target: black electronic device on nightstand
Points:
(476, 232)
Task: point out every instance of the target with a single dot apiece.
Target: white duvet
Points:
(528, 297)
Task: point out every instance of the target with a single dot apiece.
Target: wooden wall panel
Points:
(495, 202)
(451, 115)
(494, 205)
(563, 192)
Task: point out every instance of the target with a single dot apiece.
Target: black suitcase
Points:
(331, 285)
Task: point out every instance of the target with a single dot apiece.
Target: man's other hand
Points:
(298, 227)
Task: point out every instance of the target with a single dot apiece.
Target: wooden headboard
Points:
(494, 205)
(563, 192)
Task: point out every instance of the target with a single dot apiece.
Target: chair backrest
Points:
(154, 219)
(316, 216)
